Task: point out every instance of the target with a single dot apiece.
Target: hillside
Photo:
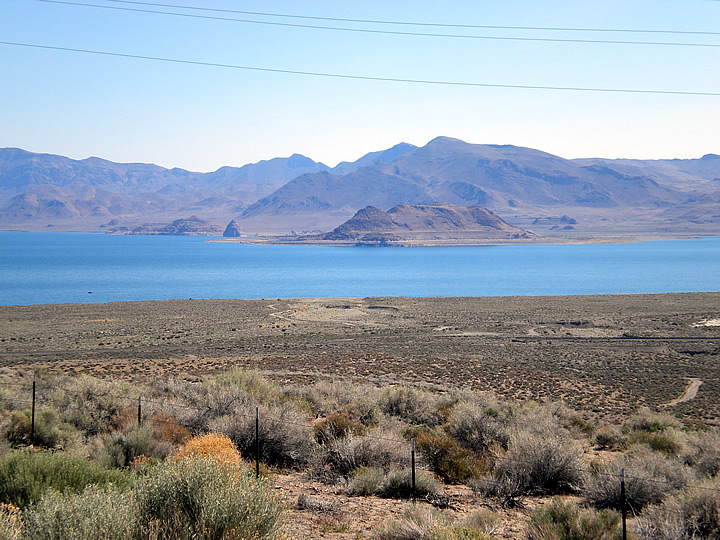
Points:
(425, 224)
(521, 185)
(527, 188)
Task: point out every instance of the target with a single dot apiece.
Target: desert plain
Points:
(606, 355)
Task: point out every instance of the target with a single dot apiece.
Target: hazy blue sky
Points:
(201, 117)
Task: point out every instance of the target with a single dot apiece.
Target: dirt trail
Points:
(690, 392)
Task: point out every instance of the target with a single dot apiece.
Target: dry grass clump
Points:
(478, 426)
(337, 425)
(90, 404)
(420, 522)
(649, 479)
(411, 405)
(251, 382)
(213, 446)
(393, 485)
(377, 449)
(693, 512)
(11, 525)
(703, 454)
(560, 520)
(206, 402)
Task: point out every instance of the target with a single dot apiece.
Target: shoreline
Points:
(543, 241)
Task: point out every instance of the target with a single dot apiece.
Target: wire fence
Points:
(154, 411)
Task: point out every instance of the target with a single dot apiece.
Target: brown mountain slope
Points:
(426, 224)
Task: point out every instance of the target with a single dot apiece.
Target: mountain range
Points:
(525, 187)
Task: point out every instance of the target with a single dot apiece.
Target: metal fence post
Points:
(140, 410)
(257, 442)
(32, 416)
(412, 462)
(623, 504)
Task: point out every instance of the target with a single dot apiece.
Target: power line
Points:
(361, 77)
(389, 32)
(409, 23)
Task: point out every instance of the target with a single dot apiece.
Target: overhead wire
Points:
(387, 32)
(361, 77)
(414, 23)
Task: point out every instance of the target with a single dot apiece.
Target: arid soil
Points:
(605, 354)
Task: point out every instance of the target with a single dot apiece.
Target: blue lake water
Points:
(50, 268)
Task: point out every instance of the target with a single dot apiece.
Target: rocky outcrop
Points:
(426, 223)
(192, 226)
(233, 230)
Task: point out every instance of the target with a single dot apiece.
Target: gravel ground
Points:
(606, 354)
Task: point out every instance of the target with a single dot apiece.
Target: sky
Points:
(201, 117)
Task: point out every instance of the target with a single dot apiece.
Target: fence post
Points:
(32, 416)
(257, 442)
(140, 410)
(622, 503)
(412, 462)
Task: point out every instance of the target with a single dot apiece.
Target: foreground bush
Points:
(649, 478)
(692, 513)
(213, 446)
(286, 439)
(98, 512)
(534, 465)
(25, 476)
(200, 498)
(560, 520)
(11, 526)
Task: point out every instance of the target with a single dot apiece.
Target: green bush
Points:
(50, 432)
(398, 485)
(25, 476)
(365, 481)
(200, 498)
(650, 422)
(446, 458)
(98, 512)
(120, 448)
(560, 520)
(609, 438)
(251, 382)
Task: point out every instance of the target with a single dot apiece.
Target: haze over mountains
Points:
(525, 187)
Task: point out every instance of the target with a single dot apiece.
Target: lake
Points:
(50, 268)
